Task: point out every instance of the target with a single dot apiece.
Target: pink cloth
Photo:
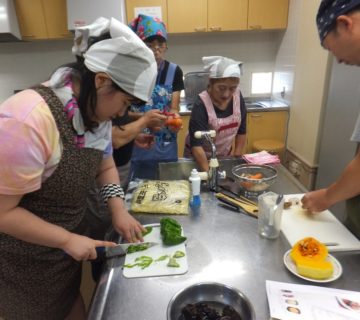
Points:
(262, 157)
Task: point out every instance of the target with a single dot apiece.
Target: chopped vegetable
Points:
(173, 263)
(143, 262)
(162, 258)
(171, 232)
(137, 247)
(178, 254)
(147, 231)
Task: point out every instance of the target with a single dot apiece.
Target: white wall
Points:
(24, 64)
(310, 85)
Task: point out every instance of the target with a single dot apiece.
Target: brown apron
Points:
(38, 282)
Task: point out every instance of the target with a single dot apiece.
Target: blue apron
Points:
(145, 161)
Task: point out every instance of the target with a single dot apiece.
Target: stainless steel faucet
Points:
(214, 174)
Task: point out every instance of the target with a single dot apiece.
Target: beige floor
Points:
(87, 284)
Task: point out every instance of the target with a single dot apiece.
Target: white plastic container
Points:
(195, 181)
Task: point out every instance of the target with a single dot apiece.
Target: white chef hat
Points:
(222, 67)
(123, 57)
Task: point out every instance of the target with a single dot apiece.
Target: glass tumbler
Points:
(269, 217)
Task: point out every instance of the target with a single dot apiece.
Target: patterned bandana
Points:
(328, 12)
(123, 57)
(146, 26)
(221, 67)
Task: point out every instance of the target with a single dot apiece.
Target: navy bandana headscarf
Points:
(329, 10)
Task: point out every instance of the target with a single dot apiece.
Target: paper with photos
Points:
(302, 302)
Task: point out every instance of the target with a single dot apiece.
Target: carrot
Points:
(256, 176)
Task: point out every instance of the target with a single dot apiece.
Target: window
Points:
(261, 83)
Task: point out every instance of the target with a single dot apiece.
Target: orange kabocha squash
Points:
(310, 256)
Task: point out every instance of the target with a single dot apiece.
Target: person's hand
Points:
(144, 140)
(83, 248)
(316, 201)
(130, 229)
(154, 119)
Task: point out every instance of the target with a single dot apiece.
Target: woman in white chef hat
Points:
(55, 139)
(221, 108)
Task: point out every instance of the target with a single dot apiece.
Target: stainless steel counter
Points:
(222, 246)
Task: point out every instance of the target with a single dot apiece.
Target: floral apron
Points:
(144, 161)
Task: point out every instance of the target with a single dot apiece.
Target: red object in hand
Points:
(174, 122)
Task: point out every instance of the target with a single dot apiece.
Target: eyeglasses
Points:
(154, 47)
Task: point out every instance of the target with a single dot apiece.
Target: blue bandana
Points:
(145, 26)
(328, 12)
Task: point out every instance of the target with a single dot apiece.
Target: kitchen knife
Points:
(121, 249)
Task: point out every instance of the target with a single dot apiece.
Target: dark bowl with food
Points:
(212, 301)
(254, 177)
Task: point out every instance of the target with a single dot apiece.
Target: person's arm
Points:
(240, 141)
(24, 225)
(122, 221)
(199, 122)
(200, 158)
(126, 133)
(175, 102)
(346, 187)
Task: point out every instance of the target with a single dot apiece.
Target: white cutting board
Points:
(158, 268)
(297, 223)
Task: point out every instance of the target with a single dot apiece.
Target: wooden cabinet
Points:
(227, 15)
(187, 16)
(264, 14)
(266, 125)
(213, 15)
(42, 19)
(206, 15)
(182, 135)
(131, 5)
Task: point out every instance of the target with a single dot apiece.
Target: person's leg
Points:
(78, 311)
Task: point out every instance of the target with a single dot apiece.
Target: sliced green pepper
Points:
(147, 231)
(178, 254)
(137, 247)
(162, 258)
(173, 263)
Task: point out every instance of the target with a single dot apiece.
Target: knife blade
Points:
(121, 249)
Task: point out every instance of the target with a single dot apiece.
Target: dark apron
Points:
(38, 282)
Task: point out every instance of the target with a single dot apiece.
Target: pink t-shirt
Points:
(29, 143)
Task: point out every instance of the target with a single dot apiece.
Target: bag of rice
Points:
(162, 196)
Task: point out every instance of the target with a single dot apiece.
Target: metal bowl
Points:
(242, 171)
(216, 295)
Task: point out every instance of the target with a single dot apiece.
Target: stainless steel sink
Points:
(181, 169)
(254, 105)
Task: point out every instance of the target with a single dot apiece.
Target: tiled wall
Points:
(286, 57)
